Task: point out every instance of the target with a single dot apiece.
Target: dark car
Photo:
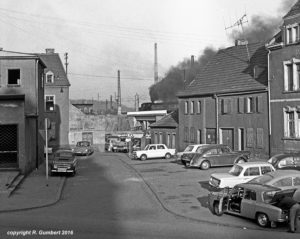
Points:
(83, 148)
(64, 161)
(286, 161)
(212, 155)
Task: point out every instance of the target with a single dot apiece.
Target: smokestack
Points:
(50, 51)
(155, 64)
(192, 60)
(111, 106)
(119, 94)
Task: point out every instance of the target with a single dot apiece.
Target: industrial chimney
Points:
(119, 94)
(155, 64)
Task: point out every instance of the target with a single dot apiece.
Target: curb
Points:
(169, 210)
(47, 204)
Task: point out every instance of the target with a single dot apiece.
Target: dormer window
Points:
(292, 34)
(49, 77)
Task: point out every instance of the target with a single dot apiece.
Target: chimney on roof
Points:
(241, 42)
(50, 51)
(192, 60)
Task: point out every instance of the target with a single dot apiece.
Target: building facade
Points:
(226, 104)
(56, 99)
(22, 111)
(284, 81)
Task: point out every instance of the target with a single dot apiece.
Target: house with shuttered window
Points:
(227, 102)
(284, 81)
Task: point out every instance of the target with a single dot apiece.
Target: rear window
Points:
(262, 179)
(285, 182)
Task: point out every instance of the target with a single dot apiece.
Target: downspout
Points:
(217, 118)
(269, 104)
(37, 115)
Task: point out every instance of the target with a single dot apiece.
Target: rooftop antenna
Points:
(238, 23)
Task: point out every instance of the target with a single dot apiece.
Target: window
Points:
(292, 33)
(212, 151)
(265, 169)
(225, 150)
(192, 135)
(199, 107)
(199, 136)
(152, 147)
(226, 106)
(290, 116)
(13, 77)
(253, 171)
(186, 107)
(250, 105)
(49, 77)
(259, 104)
(286, 162)
(250, 137)
(241, 105)
(296, 181)
(291, 122)
(50, 102)
(291, 74)
(250, 195)
(186, 134)
(192, 107)
(160, 147)
(260, 137)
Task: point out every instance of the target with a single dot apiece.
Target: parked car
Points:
(64, 161)
(286, 161)
(189, 149)
(240, 173)
(283, 179)
(154, 151)
(83, 148)
(120, 145)
(212, 155)
(110, 141)
(251, 201)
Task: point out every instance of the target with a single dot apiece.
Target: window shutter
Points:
(241, 105)
(259, 107)
(250, 139)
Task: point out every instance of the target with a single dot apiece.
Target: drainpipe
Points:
(37, 115)
(217, 118)
(269, 104)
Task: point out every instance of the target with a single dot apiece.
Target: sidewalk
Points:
(34, 192)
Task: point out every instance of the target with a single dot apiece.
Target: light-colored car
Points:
(251, 201)
(64, 161)
(283, 179)
(240, 173)
(83, 148)
(154, 151)
(189, 149)
(212, 155)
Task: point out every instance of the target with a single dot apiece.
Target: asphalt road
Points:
(108, 198)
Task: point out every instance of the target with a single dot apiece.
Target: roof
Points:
(254, 163)
(53, 63)
(294, 10)
(230, 71)
(168, 121)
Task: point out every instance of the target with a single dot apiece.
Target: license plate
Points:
(61, 170)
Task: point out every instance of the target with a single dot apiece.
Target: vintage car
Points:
(240, 173)
(154, 151)
(64, 161)
(193, 148)
(286, 161)
(212, 155)
(283, 179)
(83, 148)
(251, 201)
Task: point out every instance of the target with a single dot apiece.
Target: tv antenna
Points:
(238, 23)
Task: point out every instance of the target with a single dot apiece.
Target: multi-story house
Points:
(284, 82)
(56, 99)
(227, 102)
(22, 111)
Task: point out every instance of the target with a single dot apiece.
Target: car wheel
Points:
(167, 156)
(205, 165)
(217, 210)
(241, 160)
(262, 219)
(183, 162)
(143, 157)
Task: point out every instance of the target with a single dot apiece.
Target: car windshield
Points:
(63, 155)
(236, 170)
(189, 148)
(262, 179)
(268, 196)
(147, 147)
(83, 144)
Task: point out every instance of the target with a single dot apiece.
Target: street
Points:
(115, 197)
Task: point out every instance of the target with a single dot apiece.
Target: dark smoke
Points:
(178, 76)
(263, 28)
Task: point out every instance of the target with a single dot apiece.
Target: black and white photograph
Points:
(139, 119)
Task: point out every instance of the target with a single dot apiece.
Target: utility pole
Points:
(155, 64)
(238, 23)
(106, 103)
(136, 101)
(111, 99)
(119, 94)
(66, 63)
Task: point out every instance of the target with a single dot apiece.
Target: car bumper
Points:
(62, 170)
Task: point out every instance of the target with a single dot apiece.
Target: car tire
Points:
(205, 165)
(262, 219)
(216, 209)
(241, 160)
(143, 157)
(183, 162)
(167, 156)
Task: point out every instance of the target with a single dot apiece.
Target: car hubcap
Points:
(262, 219)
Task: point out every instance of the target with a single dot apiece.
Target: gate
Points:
(8, 146)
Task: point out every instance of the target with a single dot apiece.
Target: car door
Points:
(160, 151)
(152, 152)
(226, 157)
(212, 155)
(248, 204)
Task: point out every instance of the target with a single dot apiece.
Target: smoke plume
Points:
(178, 76)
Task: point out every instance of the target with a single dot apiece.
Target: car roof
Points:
(285, 155)
(258, 163)
(282, 173)
(258, 187)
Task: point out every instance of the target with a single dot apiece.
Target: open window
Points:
(13, 77)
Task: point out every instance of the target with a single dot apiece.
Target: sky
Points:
(104, 36)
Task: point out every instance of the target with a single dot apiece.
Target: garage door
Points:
(8, 146)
